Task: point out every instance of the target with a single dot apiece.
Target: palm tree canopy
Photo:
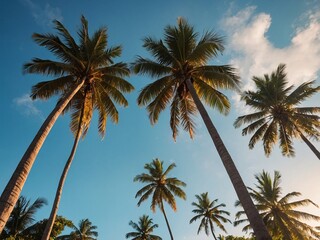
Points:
(84, 231)
(144, 229)
(209, 212)
(277, 116)
(181, 55)
(89, 60)
(279, 213)
(22, 215)
(159, 185)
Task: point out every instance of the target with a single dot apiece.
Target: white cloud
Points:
(254, 54)
(43, 16)
(26, 105)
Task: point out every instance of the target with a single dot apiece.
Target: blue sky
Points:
(259, 36)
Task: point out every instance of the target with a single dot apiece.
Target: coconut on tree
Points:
(277, 117)
(160, 188)
(183, 81)
(280, 212)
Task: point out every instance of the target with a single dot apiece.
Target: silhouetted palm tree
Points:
(84, 231)
(144, 229)
(22, 216)
(209, 213)
(161, 187)
(277, 116)
(279, 213)
(183, 79)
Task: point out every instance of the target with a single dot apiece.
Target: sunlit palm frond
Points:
(187, 111)
(47, 89)
(223, 77)
(212, 97)
(47, 67)
(208, 46)
(149, 67)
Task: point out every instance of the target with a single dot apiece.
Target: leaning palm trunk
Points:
(310, 145)
(252, 213)
(167, 222)
(14, 187)
(55, 206)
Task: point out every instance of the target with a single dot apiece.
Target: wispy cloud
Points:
(27, 106)
(43, 15)
(254, 54)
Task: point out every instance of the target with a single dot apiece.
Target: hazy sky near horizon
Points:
(259, 35)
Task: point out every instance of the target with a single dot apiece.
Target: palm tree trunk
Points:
(251, 211)
(54, 210)
(167, 222)
(14, 187)
(310, 145)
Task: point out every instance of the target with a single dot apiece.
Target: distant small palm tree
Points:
(209, 213)
(84, 231)
(144, 229)
(277, 116)
(161, 187)
(279, 213)
(22, 216)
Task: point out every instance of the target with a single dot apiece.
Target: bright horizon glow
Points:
(99, 186)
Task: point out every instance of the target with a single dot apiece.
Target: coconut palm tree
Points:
(144, 229)
(209, 213)
(22, 216)
(279, 213)
(100, 94)
(183, 81)
(85, 231)
(77, 67)
(161, 187)
(277, 116)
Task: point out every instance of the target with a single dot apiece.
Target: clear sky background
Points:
(259, 36)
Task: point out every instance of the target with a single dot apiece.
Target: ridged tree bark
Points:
(251, 211)
(167, 222)
(310, 145)
(55, 206)
(12, 191)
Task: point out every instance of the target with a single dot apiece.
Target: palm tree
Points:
(100, 93)
(209, 213)
(85, 231)
(77, 67)
(183, 78)
(277, 116)
(143, 228)
(161, 187)
(279, 213)
(22, 216)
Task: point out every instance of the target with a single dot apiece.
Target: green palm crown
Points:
(178, 57)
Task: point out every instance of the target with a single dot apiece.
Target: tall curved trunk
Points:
(12, 191)
(310, 145)
(167, 222)
(55, 206)
(251, 211)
